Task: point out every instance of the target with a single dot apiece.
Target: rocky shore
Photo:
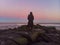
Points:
(39, 35)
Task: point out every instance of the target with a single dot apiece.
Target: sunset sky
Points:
(45, 11)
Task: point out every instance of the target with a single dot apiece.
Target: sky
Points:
(44, 11)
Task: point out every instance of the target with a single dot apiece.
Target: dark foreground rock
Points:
(40, 35)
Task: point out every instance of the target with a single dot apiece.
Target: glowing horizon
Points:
(18, 10)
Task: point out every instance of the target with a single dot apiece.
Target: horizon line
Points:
(24, 23)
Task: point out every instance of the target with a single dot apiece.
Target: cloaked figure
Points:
(30, 20)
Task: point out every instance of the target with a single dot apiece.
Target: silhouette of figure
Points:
(30, 20)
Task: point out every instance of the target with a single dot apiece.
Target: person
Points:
(30, 20)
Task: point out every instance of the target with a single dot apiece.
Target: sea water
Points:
(57, 26)
(6, 26)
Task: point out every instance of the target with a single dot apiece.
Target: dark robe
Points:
(30, 20)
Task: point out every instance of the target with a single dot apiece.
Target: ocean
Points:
(6, 26)
(57, 26)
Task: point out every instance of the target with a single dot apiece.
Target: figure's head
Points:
(31, 13)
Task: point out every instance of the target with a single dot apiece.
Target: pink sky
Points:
(19, 9)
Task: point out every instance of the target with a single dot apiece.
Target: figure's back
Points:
(30, 17)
